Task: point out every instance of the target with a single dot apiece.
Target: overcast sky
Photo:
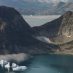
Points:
(55, 2)
(40, 0)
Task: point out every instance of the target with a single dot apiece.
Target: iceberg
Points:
(16, 67)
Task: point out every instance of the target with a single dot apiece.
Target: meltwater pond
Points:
(49, 64)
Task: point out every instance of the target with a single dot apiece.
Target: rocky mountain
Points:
(16, 36)
(58, 31)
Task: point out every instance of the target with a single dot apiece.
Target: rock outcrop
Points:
(14, 30)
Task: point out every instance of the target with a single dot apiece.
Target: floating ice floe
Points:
(3, 62)
(14, 66)
(7, 66)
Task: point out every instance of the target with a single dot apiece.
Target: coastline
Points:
(16, 57)
(62, 53)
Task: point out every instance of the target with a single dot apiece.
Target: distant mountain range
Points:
(39, 7)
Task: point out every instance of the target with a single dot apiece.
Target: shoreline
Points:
(62, 53)
(16, 57)
(23, 56)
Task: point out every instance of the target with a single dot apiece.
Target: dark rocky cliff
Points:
(16, 35)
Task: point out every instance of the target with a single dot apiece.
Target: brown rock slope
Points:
(59, 31)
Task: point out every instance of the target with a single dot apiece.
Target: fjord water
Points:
(49, 64)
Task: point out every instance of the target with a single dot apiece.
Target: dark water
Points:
(49, 64)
